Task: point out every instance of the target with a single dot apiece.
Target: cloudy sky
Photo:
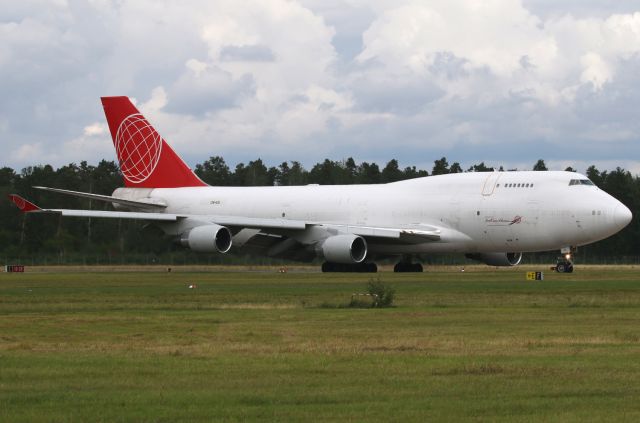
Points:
(501, 81)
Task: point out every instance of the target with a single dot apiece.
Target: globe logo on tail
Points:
(138, 146)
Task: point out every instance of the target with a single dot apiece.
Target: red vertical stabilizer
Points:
(146, 160)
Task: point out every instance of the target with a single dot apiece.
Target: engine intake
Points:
(344, 249)
(497, 259)
(208, 239)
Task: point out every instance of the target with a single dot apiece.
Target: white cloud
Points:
(411, 34)
(503, 39)
(96, 128)
(157, 101)
(30, 153)
(595, 70)
(78, 149)
(301, 80)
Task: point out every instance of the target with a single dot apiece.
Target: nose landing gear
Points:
(564, 264)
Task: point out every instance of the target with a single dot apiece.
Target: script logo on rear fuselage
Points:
(501, 221)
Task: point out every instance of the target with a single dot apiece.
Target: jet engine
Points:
(497, 259)
(344, 249)
(207, 239)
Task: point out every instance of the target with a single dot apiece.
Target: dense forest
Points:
(49, 239)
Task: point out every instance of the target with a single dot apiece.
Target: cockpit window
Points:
(580, 182)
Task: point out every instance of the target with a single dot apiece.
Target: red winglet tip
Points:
(25, 206)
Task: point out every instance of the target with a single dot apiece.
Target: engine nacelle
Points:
(344, 249)
(497, 259)
(208, 239)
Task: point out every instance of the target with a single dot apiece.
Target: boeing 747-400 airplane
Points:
(492, 217)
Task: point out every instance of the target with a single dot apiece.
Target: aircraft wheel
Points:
(403, 267)
(328, 267)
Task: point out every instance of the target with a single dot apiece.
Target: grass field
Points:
(247, 346)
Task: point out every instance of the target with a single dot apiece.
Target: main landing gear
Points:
(349, 268)
(407, 267)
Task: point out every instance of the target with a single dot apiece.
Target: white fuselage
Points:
(478, 212)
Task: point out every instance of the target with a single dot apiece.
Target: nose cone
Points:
(621, 216)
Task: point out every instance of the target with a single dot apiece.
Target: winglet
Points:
(25, 206)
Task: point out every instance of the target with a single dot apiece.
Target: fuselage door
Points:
(490, 183)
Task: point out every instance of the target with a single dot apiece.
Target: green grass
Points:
(479, 345)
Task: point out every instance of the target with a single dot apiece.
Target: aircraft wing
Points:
(143, 205)
(27, 206)
(267, 225)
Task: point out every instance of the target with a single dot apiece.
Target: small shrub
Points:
(383, 292)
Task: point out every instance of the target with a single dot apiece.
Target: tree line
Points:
(67, 240)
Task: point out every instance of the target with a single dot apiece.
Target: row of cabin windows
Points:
(515, 186)
(571, 182)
